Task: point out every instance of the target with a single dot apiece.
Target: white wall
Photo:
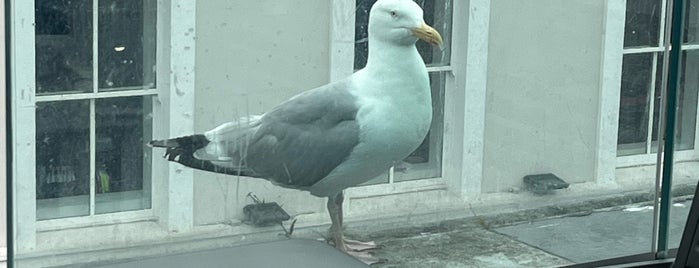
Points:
(543, 87)
(250, 56)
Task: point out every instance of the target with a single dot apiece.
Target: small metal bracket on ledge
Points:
(264, 214)
(544, 183)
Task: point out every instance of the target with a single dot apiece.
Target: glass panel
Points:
(656, 102)
(62, 159)
(642, 23)
(634, 104)
(380, 179)
(426, 160)
(691, 27)
(685, 138)
(63, 46)
(122, 178)
(126, 44)
(361, 41)
(437, 13)
(685, 132)
(685, 169)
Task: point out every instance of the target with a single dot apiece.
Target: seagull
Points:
(335, 136)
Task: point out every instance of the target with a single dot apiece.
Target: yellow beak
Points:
(428, 34)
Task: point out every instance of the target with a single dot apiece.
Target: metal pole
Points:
(668, 153)
(661, 125)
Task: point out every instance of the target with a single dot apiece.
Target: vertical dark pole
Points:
(8, 140)
(668, 152)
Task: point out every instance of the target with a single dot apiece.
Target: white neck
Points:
(397, 58)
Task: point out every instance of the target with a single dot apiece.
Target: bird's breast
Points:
(394, 124)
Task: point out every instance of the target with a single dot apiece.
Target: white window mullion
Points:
(93, 154)
(100, 95)
(95, 46)
(434, 69)
(391, 174)
(663, 13)
(651, 104)
(95, 90)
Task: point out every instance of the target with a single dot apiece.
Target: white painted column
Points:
(23, 132)
(180, 185)
(466, 107)
(610, 93)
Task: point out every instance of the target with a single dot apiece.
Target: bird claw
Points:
(356, 245)
(360, 250)
(365, 257)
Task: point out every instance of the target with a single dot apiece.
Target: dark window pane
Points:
(361, 41)
(437, 13)
(642, 23)
(634, 103)
(63, 46)
(62, 159)
(126, 44)
(122, 164)
(686, 117)
(656, 102)
(691, 26)
(687, 102)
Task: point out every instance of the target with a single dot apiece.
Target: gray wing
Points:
(299, 142)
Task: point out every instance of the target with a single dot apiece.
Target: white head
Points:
(400, 22)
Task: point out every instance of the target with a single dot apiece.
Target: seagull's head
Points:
(400, 22)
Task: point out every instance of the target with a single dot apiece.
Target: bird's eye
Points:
(394, 14)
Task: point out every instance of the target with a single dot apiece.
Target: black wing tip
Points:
(161, 144)
(192, 142)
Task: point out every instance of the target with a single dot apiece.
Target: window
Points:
(426, 160)
(95, 78)
(641, 78)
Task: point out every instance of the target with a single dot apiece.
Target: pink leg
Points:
(354, 248)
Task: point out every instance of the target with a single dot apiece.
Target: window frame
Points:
(92, 97)
(172, 109)
(650, 157)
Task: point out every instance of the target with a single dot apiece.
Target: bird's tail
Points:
(182, 150)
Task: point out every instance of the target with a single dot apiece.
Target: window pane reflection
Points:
(63, 46)
(691, 27)
(62, 159)
(122, 164)
(126, 44)
(633, 107)
(642, 23)
(687, 102)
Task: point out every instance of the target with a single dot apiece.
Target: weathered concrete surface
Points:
(462, 248)
(618, 232)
